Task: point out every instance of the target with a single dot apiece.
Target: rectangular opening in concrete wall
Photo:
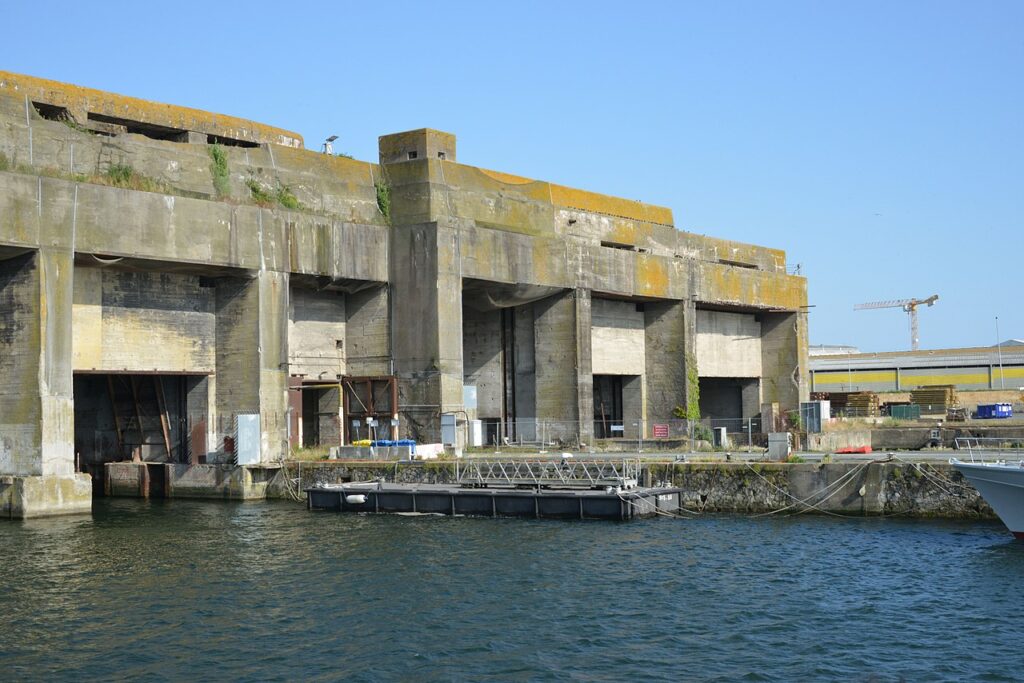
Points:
(229, 142)
(498, 362)
(320, 422)
(52, 112)
(608, 413)
(729, 399)
(152, 418)
(618, 406)
(150, 130)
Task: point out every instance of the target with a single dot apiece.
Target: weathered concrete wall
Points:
(45, 496)
(617, 338)
(81, 102)
(316, 334)
(142, 322)
(224, 482)
(368, 333)
(728, 344)
(482, 360)
(784, 359)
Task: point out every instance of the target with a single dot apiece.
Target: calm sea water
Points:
(192, 590)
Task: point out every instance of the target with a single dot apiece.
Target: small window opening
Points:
(229, 142)
(440, 155)
(737, 264)
(618, 245)
(52, 112)
(413, 155)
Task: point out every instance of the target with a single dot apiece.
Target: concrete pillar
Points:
(564, 378)
(426, 305)
(37, 461)
(784, 359)
(252, 358)
(669, 339)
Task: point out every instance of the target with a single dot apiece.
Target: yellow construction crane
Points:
(908, 305)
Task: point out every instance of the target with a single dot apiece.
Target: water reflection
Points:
(268, 591)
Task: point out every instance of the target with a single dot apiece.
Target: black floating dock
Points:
(542, 503)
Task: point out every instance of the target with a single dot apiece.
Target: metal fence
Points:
(637, 434)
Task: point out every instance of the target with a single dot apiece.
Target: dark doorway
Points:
(150, 418)
(608, 407)
(321, 420)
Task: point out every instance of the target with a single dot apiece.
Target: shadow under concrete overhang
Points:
(484, 295)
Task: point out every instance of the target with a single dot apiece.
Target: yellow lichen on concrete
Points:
(80, 101)
(729, 284)
(612, 206)
(652, 276)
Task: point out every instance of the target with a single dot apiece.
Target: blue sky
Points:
(881, 144)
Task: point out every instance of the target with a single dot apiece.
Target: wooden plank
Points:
(158, 385)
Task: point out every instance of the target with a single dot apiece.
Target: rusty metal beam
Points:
(113, 410)
(158, 386)
(137, 456)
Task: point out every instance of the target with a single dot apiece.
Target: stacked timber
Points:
(935, 400)
(850, 403)
(862, 404)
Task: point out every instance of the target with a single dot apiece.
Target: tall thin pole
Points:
(999, 350)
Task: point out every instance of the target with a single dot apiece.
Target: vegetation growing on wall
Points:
(286, 199)
(123, 175)
(383, 198)
(692, 409)
(282, 196)
(219, 171)
(5, 163)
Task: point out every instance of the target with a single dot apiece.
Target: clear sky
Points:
(881, 144)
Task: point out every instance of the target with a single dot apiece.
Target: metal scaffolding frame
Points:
(564, 473)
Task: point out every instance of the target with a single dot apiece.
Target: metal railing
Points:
(990, 448)
(548, 473)
(652, 434)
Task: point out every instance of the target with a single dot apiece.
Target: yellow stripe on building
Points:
(851, 378)
(908, 381)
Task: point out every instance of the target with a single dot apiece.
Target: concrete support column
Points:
(784, 359)
(252, 359)
(564, 376)
(669, 338)
(426, 296)
(37, 460)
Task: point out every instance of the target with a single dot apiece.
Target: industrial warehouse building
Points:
(981, 368)
(174, 283)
